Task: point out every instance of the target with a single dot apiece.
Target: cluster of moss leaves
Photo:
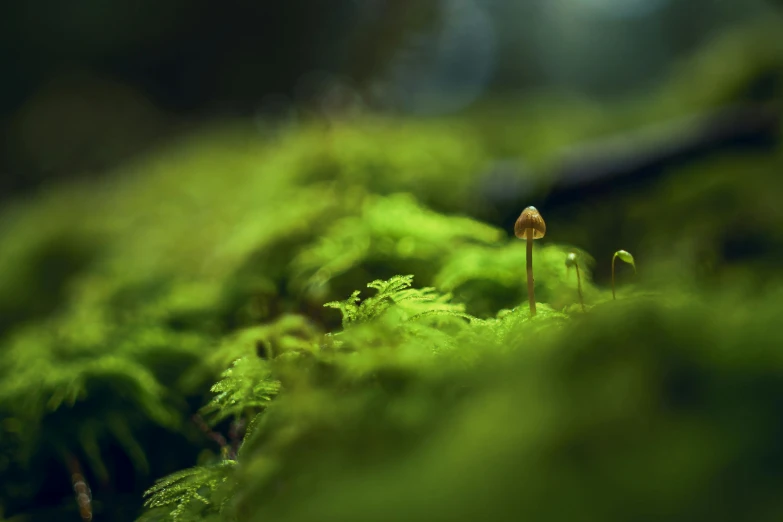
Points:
(123, 303)
(117, 299)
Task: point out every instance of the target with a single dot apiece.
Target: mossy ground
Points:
(123, 302)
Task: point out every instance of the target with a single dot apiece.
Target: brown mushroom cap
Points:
(530, 218)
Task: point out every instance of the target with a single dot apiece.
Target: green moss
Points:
(194, 280)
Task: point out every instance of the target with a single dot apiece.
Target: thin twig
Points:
(80, 488)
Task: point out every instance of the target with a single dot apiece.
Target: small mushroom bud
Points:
(530, 226)
(626, 257)
(572, 261)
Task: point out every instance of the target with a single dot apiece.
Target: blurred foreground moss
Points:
(641, 413)
(645, 408)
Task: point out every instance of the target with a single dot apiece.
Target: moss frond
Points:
(188, 494)
(247, 386)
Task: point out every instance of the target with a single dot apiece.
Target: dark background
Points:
(87, 84)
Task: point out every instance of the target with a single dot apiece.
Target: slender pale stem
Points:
(579, 287)
(613, 259)
(531, 292)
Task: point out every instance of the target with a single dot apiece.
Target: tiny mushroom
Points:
(530, 226)
(625, 257)
(573, 261)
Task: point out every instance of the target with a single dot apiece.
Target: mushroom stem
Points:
(579, 287)
(531, 292)
(613, 295)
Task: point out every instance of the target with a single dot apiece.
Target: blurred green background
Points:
(183, 182)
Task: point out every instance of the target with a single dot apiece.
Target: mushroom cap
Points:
(530, 218)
